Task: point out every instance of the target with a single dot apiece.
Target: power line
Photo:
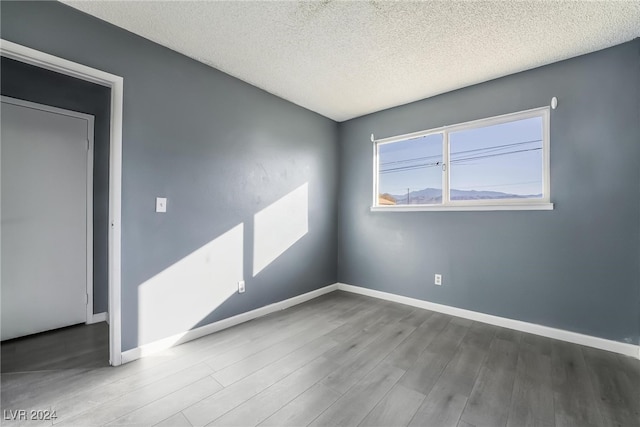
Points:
(411, 167)
(430, 165)
(492, 148)
(413, 159)
(497, 146)
(496, 154)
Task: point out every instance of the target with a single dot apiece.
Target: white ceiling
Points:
(347, 59)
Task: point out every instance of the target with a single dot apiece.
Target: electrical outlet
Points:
(241, 286)
(438, 279)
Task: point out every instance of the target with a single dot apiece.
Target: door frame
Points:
(116, 84)
(89, 193)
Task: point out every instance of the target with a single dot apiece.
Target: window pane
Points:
(410, 171)
(497, 162)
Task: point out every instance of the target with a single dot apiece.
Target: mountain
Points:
(429, 196)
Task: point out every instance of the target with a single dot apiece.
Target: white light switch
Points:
(161, 204)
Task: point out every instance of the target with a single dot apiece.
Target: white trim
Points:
(89, 190)
(445, 208)
(190, 335)
(44, 60)
(518, 325)
(446, 173)
(546, 153)
(90, 151)
(115, 215)
(488, 121)
(375, 199)
(543, 203)
(99, 317)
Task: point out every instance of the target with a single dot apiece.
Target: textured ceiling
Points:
(347, 59)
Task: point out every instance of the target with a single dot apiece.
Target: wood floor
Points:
(345, 359)
(79, 346)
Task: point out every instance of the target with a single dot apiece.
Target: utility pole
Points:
(408, 199)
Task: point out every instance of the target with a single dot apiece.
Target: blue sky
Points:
(505, 157)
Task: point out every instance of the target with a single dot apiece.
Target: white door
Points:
(45, 163)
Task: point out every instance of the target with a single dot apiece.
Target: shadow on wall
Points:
(178, 298)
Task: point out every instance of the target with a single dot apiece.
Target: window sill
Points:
(440, 208)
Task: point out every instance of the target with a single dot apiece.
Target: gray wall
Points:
(219, 149)
(23, 81)
(222, 150)
(573, 268)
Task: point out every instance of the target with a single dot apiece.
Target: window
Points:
(489, 164)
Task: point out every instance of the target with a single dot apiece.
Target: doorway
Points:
(49, 62)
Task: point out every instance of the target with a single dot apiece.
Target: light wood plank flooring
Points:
(345, 359)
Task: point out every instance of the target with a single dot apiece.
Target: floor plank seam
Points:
(341, 360)
(106, 402)
(133, 410)
(441, 373)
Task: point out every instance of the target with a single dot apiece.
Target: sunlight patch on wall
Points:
(178, 298)
(278, 226)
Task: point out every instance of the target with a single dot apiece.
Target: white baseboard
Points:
(99, 317)
(518, 325)
(181, 338)
(559, 334)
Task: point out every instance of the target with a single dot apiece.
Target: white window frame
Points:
(543, 203)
